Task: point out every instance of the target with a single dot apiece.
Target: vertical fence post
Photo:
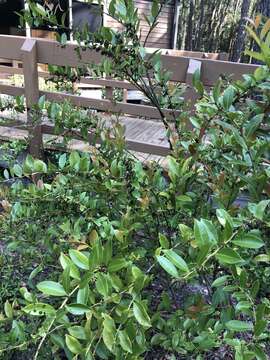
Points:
(191, 94)
(108, 90)
(109, 93)
(31, 87)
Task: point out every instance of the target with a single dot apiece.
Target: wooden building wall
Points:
(161, 35)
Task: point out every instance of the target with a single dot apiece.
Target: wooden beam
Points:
(134, 145)
(31, 90)
(50, 52)
(110, 106)
(11, 90)
(30, 72)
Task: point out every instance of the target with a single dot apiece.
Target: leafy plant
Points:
(142, 261)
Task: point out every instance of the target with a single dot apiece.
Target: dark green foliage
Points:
(137, 261)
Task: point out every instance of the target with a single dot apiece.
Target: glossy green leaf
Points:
(73, 344)
(164, 242)
(205, 233)
(125, 341)
(176, 259)
(83, 295)
(237, 325)
(79, 259)
(117, 264)
(51, 288)
(228, 97)
(62, 161)
(63, 39)
(262, 258)
(40, 10)
(260, 327)
(17, 170)
(77, 309)
(66, 279)
(78, 332)
(109, 332)
(141, 314)
(222, 280)
(253, 125)
(39, 309)
(74, 271)
(260, 354)
(224, 218)
(74, 159)
(168, 266)
(229, 256)
(40, 166)
(120, 7)
(155, 8)
(258, 209)
(249, 241)
(103, 284)
(8, 310)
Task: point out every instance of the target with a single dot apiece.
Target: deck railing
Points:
(31, 52)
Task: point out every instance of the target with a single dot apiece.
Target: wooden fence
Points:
(32, 52)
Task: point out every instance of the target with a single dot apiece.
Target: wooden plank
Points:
(30, 72)
(102, 82)
(134, 145)
(52, 53)
(139, 129)
(31, 89)
(114, 24)
(130, 125)
(10, 47)
(109, 106)
(144, 147)
(10, 70)
(112, 83)
(146, 6)
(148, 135)
(156, 37)
(7, 133)
(11, 90)
(211, 70)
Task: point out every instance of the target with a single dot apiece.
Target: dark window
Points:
(84, 14)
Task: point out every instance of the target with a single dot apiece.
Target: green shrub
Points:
(144, 262)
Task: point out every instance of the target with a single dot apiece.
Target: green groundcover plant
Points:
(112, 259)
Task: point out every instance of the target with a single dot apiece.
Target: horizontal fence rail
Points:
(31, 52)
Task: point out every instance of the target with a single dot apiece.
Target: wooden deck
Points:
(145, 131)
